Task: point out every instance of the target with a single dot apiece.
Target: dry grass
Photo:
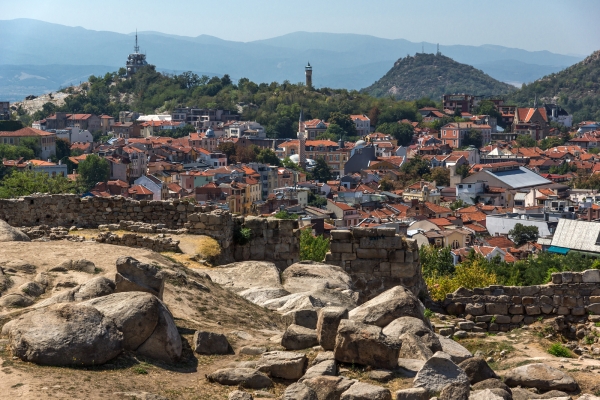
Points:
(208, 248)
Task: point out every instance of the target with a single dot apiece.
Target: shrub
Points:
(428, 313)
(208, 248)
(558, 350)
(469, 275)
(312, 247)
(242, 236)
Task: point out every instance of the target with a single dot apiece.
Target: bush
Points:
(428, 313)
(558, 350)
(312, 247)
(242, 236)
(467, 275)
(208, 248)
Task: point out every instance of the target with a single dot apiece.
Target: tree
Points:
(316, 201)
(24, 183)
(456, 204)
(435, 261)
(473, 138)
(93, 170)
(402, 132)
(344, 122)
(227, 148)
(463, 170)
(374, 115)
(440, 175)
(522, 234)
(312, 247)
(268, 156)
(63, 149)
(334, 132)
(32, 143)
(526, 141)
(321, 171)
(285, 215)
(386, 185)
(245, 154)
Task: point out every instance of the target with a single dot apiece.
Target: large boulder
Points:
(134, 313)
(492, 384)
(283, 364)
(244, 275)
(329, 387)
(327, 324)
(15, 300)
(327, 367)
(299, 391)
(438, 372)
(260, 295)
(392, 304)
(297, 337)
(305, 318)
(456, 351)
(32, 289)
(413, 347)
(164, 343)
(490, 394)
(82, 265)
(307, 276)
(416, 327)
(365, 391)
(95, 287)
(412, 394)
(477, 370)
(65, 334)
(540, 376)
(10, 234)
(134, 276)
(244, 377)
(363, 344)
(211, 343)
(455, 391)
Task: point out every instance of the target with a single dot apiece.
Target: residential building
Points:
(206, 140)
(507, 176)
(314, 128)
(346, 216)
(501, 224)
(105, 122)
(582, 237)
(465, 103)
(46, 140)
(202, 118)
(47, 167)
(422, 191)
(454, 133)
(532, 122)
(214, 159)
(362, 123)
(559, 115)
(238, 129)
(157, 187)
(4, 110)
(335, 154)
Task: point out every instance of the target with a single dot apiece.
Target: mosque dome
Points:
(210, 133)
(360, 144)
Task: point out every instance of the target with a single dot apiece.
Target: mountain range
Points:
(39, 56)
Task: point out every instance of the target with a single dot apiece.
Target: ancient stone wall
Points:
(572, 296)
(158, 244)
(377, 259)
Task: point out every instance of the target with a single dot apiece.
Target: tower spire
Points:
(301, 141)
(136, 48)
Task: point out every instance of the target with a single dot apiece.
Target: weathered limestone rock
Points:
(455, 350)
(32, 289)
(329, 387)
(299, 391)
(412, 394)
(282, 364)
(416, 327)
(15, 300)
(306, 276)
(540, 376)
(477, 370)
(491, 384)
(327, 324)
(365, 345)
(455, 391)
(490, 394)
(164, 343)
(134, 276)
(244, 377)
(65, 334)
(394, 303)
(211, 343)
(10, 234)
(365, 391)
(438, 372)
(239, 395)
(297, 337)
(327, 367)
(95, 287)
(306, 318)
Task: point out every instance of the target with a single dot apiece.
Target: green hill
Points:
(576, 89)
(431, 75)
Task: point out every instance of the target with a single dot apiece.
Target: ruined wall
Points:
(158, 244)
(377, 259)
(572, 296)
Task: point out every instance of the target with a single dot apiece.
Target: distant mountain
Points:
(432, 75)
(340, 60)
(576, 88)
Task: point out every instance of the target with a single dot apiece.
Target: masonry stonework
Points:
(377, 259)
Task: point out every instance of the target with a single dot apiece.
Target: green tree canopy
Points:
(24, 183)
(522, 234)
(473, 138)
(93, 170)
(268, 156)
(321, 171)
(526, 141)
(344, 122)
(402, 132)
(311, 247)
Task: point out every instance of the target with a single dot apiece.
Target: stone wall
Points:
(572, 296)
(377, 259)
(158, 244)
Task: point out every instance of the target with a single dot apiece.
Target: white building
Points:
(74, 134)
(362, 123)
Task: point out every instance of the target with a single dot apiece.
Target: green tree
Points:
(316, 201)
(268, 156)
(63, 149)
(321, 171)
(24, 183)
(456, 204)
(11, 152)
(334, 132)
(32, 143)
(435, 261)
(463, 170)
(386, 185)
(473, 138)
(93, 170)
(344, 122)
(285, 215)
(440, 175)
(526, 141)
(227, 148)
(522, 234)
(402, 132)
(311, 247)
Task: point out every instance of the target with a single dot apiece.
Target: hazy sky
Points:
(561, 26)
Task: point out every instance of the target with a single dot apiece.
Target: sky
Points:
(560, 26)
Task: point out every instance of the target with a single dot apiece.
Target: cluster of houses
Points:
(505, 184)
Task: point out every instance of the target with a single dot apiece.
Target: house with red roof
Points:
(46, 140)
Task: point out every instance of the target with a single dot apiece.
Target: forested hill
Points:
(431, 75)
(576, 88)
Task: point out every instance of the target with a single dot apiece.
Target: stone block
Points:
(516, 299)
(546, 308)
(515, 319)
(569, 301)
(475, 309)
(483, 318)
(528, 300)
(340, 247)
(502, 319)
(386, 232)
(402, 270)
(371, 253)
(340, 234)
(591, 276)
(529, 290)
(533, 310)
(594, 299)
(578, 311)
(396, 256)
(594, 308)
(567, 277)
(496, 308)
(563, 311)
(348, 257)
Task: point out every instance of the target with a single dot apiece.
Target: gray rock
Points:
(253, 351)
(134, 313)
(260, 295)
(455, 391)
(409, 367)
(134, 276)
(490, 394)
(323, 356)
(413, 347)
(95, 287)
(327, 324)
(392, 304)
(138, 396)
(540, 376)
(306, 318)
(364, 391)
(32, 289)
(365, 345)
(492, 384)
(297, 337)
(381, 375)
(244, 275)
(10, 234)
(283, 364)
(328, 367)
(412, 394)
(307, 276)
(164, 343)
(19, 266)
(477, 370)
(457, 352)
(82, 265)
(239, 395)
(211, 343)
(15, 300)
(417, 327)
(245, 377)
(299, 391)
(65, 334)
(439, 371)
(329, 387)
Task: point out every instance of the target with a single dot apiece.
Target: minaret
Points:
(301, 141)
(308, 72)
